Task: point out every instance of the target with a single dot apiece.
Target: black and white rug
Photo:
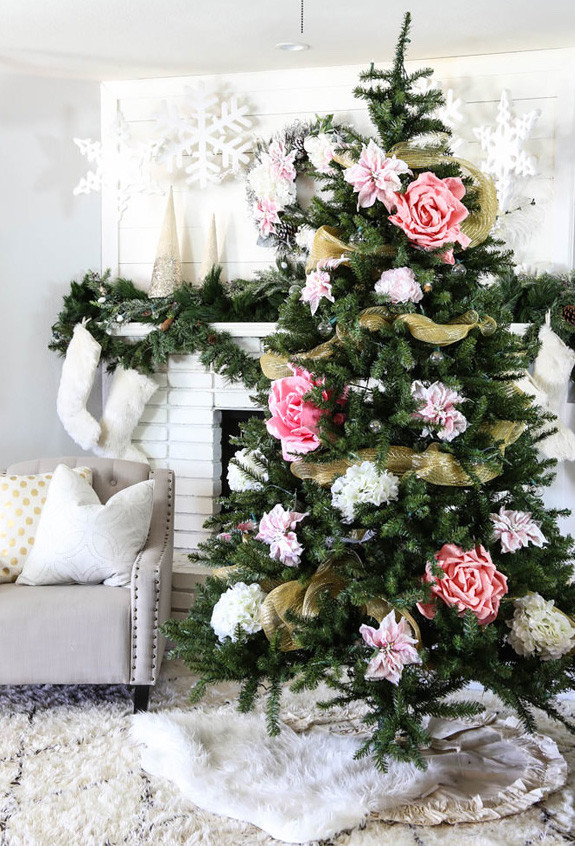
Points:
(70, 773)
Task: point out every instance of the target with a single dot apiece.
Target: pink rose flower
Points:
(376, 177)
(437, 406)
(266, 214)
(430, 213)
(471, 582)
(275, 530)
(395, 645)
(295, 421)
(516, 529)
(317, 285)
(282, 162)
(400, 285)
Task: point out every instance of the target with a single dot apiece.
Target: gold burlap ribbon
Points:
(328, 245)
(433, 466)
(292, 598)
(379, 317)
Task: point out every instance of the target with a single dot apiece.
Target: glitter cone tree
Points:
(385, 535)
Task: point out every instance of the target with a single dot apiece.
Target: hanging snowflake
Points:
(121, 166)
(506, 160)
(450, 113)
(209, 141)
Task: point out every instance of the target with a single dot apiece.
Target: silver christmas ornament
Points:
(375, 426)
(294, 289)
(325, 328)
(436, 357)
(459, 270)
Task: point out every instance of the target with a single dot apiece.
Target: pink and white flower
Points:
(276, 529)
(395, 645)
(400, 285)
(320, 150)
(376, 177)
(282, 162)
(317, 286)
(516, 529)
(266, 214)
(437, 406)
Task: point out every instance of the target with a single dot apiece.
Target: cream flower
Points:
(320, 151)
(363, 483)
(240, 606)
(539, 628)
(238, 480)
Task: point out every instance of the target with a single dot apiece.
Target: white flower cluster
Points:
(538, 627)
(239, 606)
(238, 480)
(267, 184)
(363, 483)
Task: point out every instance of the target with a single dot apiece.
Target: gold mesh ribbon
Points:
(478, 224)
(379, 317)
(293, 598)
(433, 466)
(328, 245)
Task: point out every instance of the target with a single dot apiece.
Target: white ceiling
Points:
(129, 39)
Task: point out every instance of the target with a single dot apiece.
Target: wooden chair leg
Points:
(141, 697)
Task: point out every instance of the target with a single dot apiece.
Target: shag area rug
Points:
(70, 773)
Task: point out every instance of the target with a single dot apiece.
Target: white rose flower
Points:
(240, 481)
(239, 606)
(363, 483)
(268, 186)
(538, 627)
(320, 151)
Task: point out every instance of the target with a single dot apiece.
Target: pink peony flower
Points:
(395, 645)
(400, 285)
(430, 213)
(276, 529)
(317, 285)
(437, 406)
(295, 421)
(224, 536)
(266, 214)
(376, 177)
(282, 162)
(516, 529)
(471, 582)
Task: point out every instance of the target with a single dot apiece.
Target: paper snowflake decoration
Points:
(120, 165)
(209, 140)
(506, 160)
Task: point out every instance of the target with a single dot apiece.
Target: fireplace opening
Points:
(231, 419)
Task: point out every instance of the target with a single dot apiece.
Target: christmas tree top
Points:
(385, 535)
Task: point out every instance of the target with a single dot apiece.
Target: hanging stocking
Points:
(128, 396)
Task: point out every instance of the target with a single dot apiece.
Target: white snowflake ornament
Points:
(506, 160)
(209, 140)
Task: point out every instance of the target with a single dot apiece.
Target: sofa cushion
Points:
(81, 541)
(22, 499)
(68, 634)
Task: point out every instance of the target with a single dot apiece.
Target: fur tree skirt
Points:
(70, 773)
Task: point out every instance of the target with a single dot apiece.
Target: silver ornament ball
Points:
(294, 289)
(436, 357)
(325, 328)
(375, 426)
(459, 270)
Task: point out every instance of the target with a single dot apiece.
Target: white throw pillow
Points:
(81, 541)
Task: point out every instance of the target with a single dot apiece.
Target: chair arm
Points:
(151, 584)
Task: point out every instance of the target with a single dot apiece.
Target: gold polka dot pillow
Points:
(21, 501)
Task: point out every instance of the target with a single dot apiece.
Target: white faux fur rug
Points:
(302, 787)
(69, 774)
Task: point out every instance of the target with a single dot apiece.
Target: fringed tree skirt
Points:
(308, 786)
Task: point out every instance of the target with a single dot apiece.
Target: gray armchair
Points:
(95, 634)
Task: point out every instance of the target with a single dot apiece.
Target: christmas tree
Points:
(385, 535)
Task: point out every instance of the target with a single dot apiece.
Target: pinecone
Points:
(285, 233)
(569, 314)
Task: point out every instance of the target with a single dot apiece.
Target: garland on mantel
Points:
(182, 320)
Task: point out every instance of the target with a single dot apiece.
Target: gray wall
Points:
(47, 238)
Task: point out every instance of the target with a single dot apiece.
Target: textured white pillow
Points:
(81, 541)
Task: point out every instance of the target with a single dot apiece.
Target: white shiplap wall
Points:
(541, 80)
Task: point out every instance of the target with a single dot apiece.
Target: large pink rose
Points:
(294, 421)
(471, 582)
(430, 213)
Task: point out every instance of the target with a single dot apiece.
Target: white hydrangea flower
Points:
(239, 606)
(268, 186)
(538, 627)
(363, 483)
(304, 238)
(320, 150)
(238, 480)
